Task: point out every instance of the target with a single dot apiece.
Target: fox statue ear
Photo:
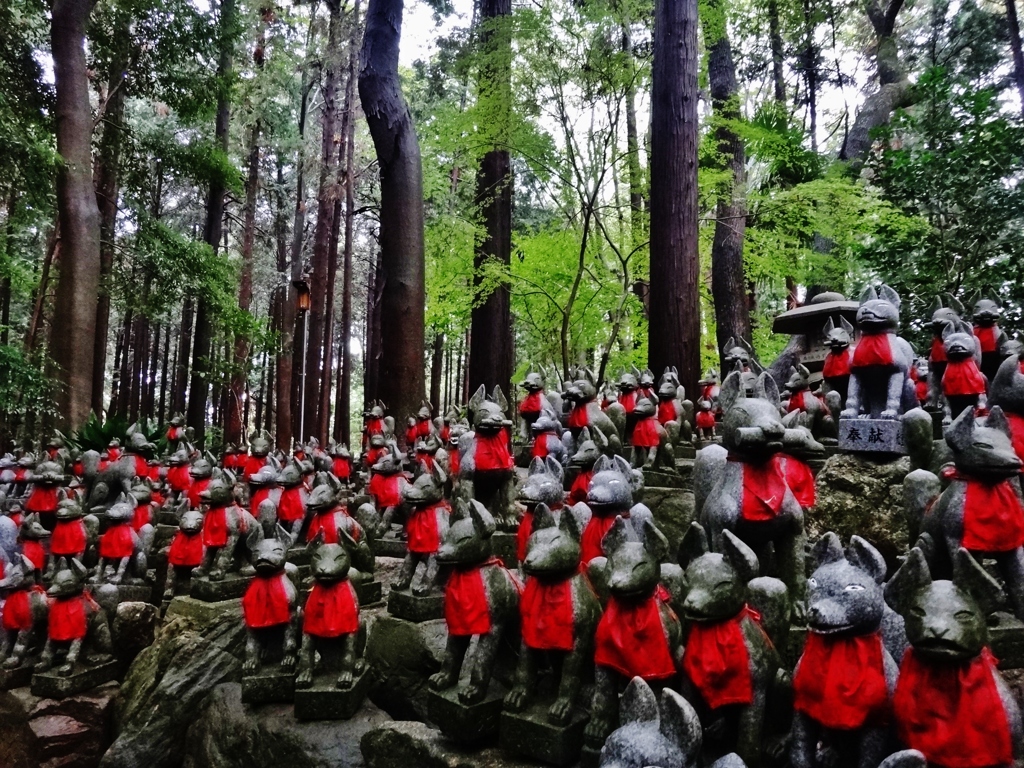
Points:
(638, 703)
(996, 419)
(829, 327)
(961, 431)
(740, 556)
(693, 545)
(911, 578)
(731, 391)
(888, 294)
(868, 294)
(971, 577)
(861, 554)
(846, 326)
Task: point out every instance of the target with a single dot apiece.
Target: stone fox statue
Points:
(729, 664)
(836, 372)
(269, 603)
(982, 507)
(486, 466)
(748, 492)
(481, 600)
(77, 627)
(951, 703)
(558, 612)
(224, 525)
(543, 485)
(880, 383)
(586, 412)
(942, 315)
(23, 627)
(425, 526)
(845, 652)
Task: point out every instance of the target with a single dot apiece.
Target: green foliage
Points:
(24, 386)
(96, 434)
(952, 167)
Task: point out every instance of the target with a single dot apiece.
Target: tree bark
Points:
(728, 283)
(674, 335)
(318, 289)
(778, 52)
(161, 413)
(181, 364)
(436, 370)
(634, 167)
(401, 210)
(491, 356)
(1013, 27)
(201, 364)
(73, 342)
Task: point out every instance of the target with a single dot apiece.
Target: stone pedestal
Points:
(1006, 637)
(368, 592)
(403, 604)
(530, 734)
(204, 611)
(18, 677)
(233, 585)
(166, 519)
(389, 546)
(270, 684)
(134, 593)
(872, 436)
(50, 685)
(465, 722)
(324, 701)
(503, 545)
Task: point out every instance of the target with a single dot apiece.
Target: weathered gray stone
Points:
(369, 592)
(402, 655)
(133, 628)
(230, 734)
(231, 586)
(203, 612)
(530, 734)
(465, 722)
(863, 495)
(83, 678)
(18, 678)
(269, 685)
(325, 701)
(673, 511)
(404, 744)
(403, 604)
(871, 436)
(165, 686)
(47, 733)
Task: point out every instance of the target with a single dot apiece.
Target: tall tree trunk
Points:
(637, 231)
(106, 175)
(436, 370)
(400, 383)
(181, 365)
(124, 384)
(201, 368)
(810, 64)
(161, 413)
(1013, 25)
(39, 300)
(778, 52)
(5, 281)
(491, 356)
(326, 194)
(728, 284)
(72, 344)
(149, 401)
(342, 413)
(675, 266)
(373, 350)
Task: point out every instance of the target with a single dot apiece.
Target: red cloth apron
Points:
(631, 640)
(531, 403)
(258, 495)
(422, 536)
(962, 377)
(952, 712)
(492, 452)
(993, 515)
(717, 661)
(342, 468)
(68, 620)
(43, 499)
(265, 603)
(705, 420)
(117, 542)
(547, 615)
(292, 507)
(68, 538)
(840, 681)
(579, 417)
(215, 527)
(938, 351)
(593, 534)
(178, 478)
(186, 550)
(580, 486)
(764, 489)
(34, 551)
(197, 487)
(18, 609)
(873, 349)
(667, 412)
(837, 364)
(800, 479)
(386, 490)
(645, 433)
(986, 335)
(332, 610)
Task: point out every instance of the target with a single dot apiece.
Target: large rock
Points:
(134, 628)
(860, 495)
(166, 685)
(402, 655)
(403, 744)
(673, 510)
(230, 734)
(51, 733)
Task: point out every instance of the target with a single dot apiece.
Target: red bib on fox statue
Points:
(68, 538)
(993, 515)
(197, 487)
(265, 603)
(837, 364)
(986, 336)
(186, 550)
(215, 527)
(342, 468)
(68, 620)
(666, 411)
(332, 610)
(962, 377)
(764, 489)
(421, 531)
(178, 478)
(531, 403)
(547, 617)
(386, 490)
(43, 499)
(35, 552)
(593, 535)
(18, 609)
(873, 349)
(491, 452)
(938, 351)
(117, 542)
(645, 433)
(631, 640)
(717, 661)
(800, 479)
(578, 416)
(840, 681)
(466, 611)
(580, 486)
(952, 712)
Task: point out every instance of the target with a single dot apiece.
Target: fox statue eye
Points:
(812, 582)
(854, 587)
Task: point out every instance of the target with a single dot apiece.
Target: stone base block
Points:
(166, 519)
(387, 546)
(402, 604)
(50, 685)
(271, 684)
(134, 593)
(368, 592)
(530, 734)
(18, 677)
(1007, 640)
(465, 722)
(872, 436)
(324, 701)
(204, 611)
(233, 585)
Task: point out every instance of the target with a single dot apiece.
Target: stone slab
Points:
(389, 547)
(231, 586)
(324, 701)
(661, 479)
(166, 519)
(271, 684)
(368, 592)
(204, 611)
(50, 685)
(465, 722)
(503, 546)
(530, 734)
(134, 593)
(871, 436)
(1006, 637)
(402, 604)
(17, 678)
(685, 451)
